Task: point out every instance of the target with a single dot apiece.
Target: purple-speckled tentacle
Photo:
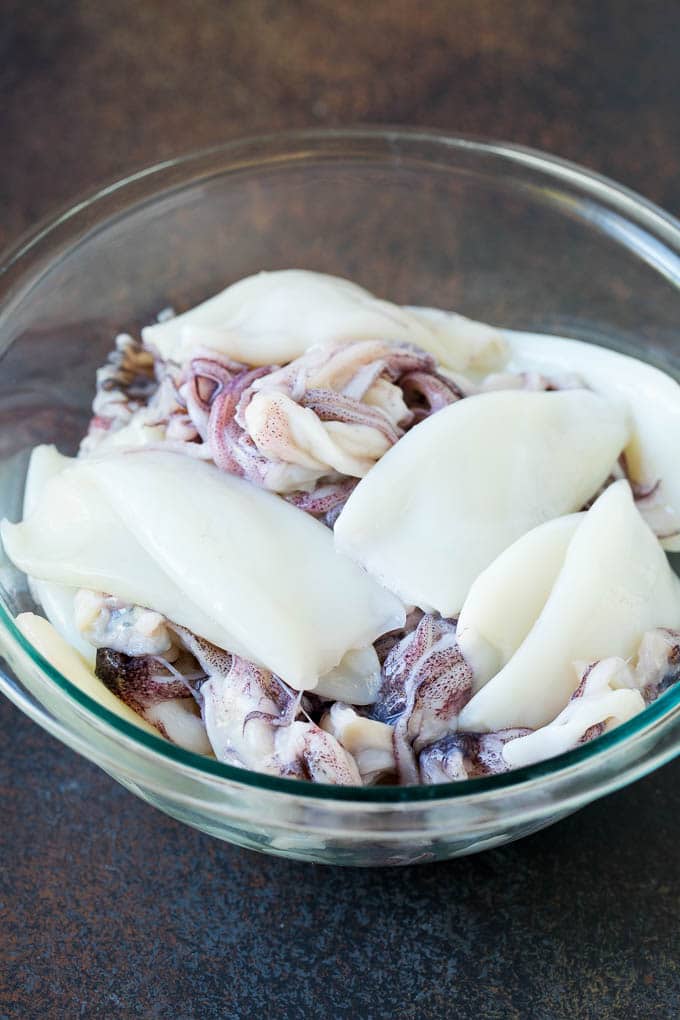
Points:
(210, 658)
(261, 685)
(240, 695)
(255, 681)
(384, 645)
(324, 498)
(330, 382)
(426, 683)
(201, 383)
(305, 751)
(403, 358)
(331, 406)
(460, 756)
(426, 393)
(233, 450)
(357, 387)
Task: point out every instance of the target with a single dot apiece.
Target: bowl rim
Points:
(283, 152)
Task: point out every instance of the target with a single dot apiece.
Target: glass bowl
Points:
(494, 231)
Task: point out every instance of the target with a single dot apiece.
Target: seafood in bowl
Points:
(319, 535)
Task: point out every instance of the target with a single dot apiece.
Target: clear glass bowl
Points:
(497, 232)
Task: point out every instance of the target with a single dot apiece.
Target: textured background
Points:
(108, 909)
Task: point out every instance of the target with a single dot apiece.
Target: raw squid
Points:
(60, 654)
(242, 708)
(108, 622)
(179, 721)
(369, 741)
(158, 692)
(491, 595)
(56, 600)
(658, 663)
(333, 409)
(251, 573)
(464, 484)
(507, 598)
(460, 756)
(273, 318)
(251, 720)
(597, 704)
(331, 413)
(355, 679)
(125, 385)
(426, 683)
(614, 585)
(304, 751)
(653, 400)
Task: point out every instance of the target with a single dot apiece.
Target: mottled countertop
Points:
(110, 909)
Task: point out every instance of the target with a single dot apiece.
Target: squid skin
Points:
(426, 683)
(161, 697)
(251, 718)
(386, 642)
(326, 501)
(305, 751)
(658, 663)
(461, 755)
(140, 681)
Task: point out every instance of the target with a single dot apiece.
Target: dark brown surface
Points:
(108, 909)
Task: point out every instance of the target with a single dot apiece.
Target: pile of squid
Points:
(325, 537)
(307, 430)
(408, 735)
